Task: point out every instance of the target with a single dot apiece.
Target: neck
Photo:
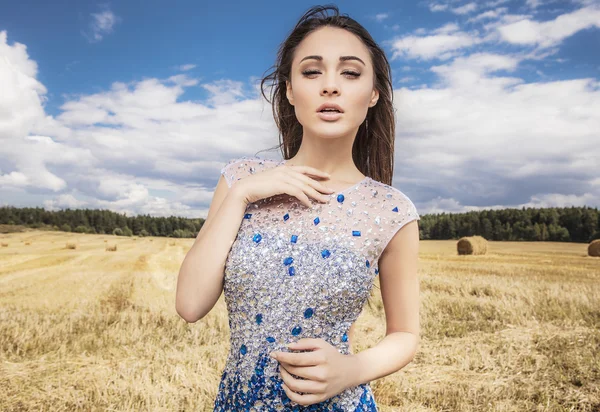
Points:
(332, 155)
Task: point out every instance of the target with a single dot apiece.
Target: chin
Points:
(331, 132)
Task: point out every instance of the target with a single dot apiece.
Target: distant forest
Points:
(570, 224)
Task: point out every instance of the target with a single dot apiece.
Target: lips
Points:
(329, 116)
(330, 108)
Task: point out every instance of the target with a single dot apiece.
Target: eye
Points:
(347, 72)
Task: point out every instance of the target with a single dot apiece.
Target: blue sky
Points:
(134, 106)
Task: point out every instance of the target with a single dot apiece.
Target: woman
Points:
(296, 245)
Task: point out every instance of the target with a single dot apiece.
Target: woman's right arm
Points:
(200, 280)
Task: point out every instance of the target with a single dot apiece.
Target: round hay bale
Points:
(110, 248)
(71, 245)
(4, 244)
(471, 245)
(594, 248)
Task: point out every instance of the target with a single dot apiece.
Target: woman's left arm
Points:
(399, 285)
(324, 371)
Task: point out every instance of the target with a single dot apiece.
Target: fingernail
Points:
(273, 355)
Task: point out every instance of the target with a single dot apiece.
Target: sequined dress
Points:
(294, 272)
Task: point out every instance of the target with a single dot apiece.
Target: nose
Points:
(330, 90)
(330, 86)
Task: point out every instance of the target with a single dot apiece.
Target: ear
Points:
(374, 98)
(288, 92)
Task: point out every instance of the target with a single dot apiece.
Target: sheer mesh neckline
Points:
(351, 187)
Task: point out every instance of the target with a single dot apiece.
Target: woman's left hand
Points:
(325, 370)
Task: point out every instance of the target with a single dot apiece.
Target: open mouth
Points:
(329, 115)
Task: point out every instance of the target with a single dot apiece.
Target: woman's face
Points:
(348, 83)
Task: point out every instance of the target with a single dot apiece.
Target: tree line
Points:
(100, 221)
(567, 224)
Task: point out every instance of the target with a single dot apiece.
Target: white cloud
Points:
(492, 136)
(479, 135)
(381, 16)
(447, 29)
(438, 7)
(465, 9)
(440, 46)
(495, 3)
(63, 202)
(407, 79)
(490, 14)
(533, 3)
(134, 148)
(22, 94)
(560, 200)
(550, 33)
(186, 67)
(101, 24)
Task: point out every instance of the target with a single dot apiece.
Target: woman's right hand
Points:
(293, 180)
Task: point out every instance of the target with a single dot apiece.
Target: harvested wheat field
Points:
(87, 328)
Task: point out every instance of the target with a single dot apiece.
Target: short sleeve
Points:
(400, 211)
(228, 171)
(240, 167)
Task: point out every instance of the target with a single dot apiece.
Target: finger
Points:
(315, 184)
(297, 384)
(312, 358)
(301, 399)
(312, 373)
(298, 190)
(305, 183)
(293, 190)
(308, 343)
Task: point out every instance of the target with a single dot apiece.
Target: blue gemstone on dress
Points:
(395, 209)
(368, 264)
(291, 271)
(308, 313)
(325, 253)
(259, 318)
(316, 220)
(344, 338)
(288, 260)
(356, 233)
(296, 331)
(257, 237)
(247, 215)
(294, 238)
(243, 349)
(340, 198)
(286, 216)
(376, 271)
(270, 339)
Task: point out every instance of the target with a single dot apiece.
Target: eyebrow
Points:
(342, 58)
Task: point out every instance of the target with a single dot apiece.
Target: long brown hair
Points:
(373, 148)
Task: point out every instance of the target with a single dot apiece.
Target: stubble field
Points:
(516, 329)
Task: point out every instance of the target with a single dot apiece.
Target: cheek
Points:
(305, 103)
(359, 103)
